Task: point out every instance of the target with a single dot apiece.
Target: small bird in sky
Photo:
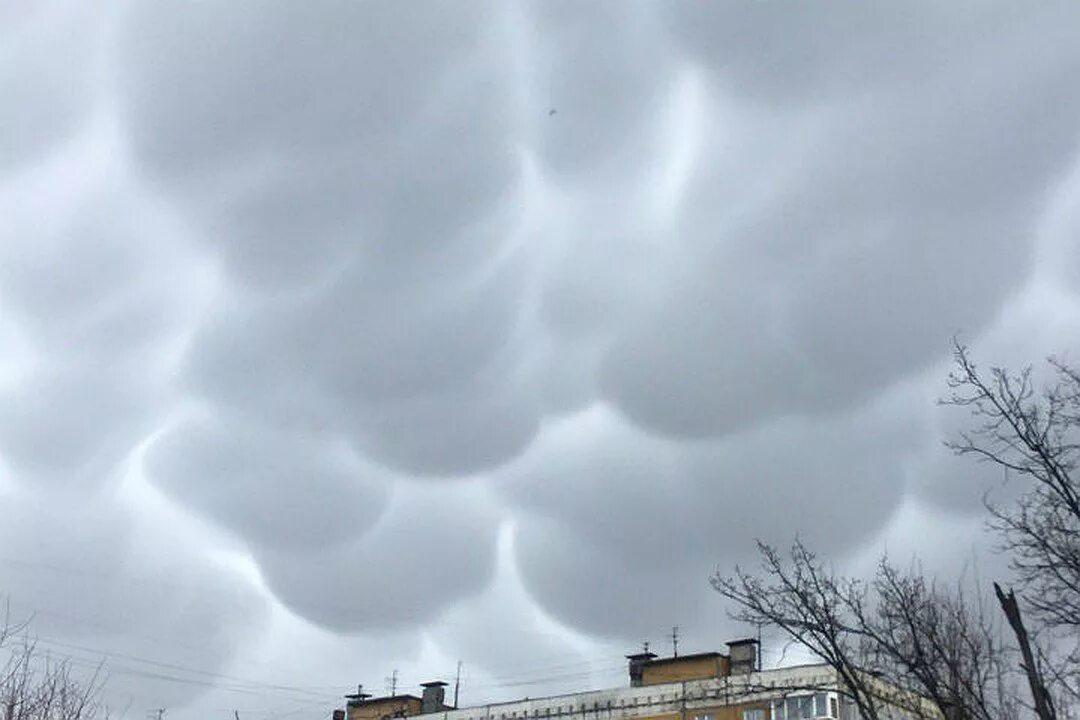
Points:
(551, 112)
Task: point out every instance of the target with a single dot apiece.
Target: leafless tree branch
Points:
(36, 686)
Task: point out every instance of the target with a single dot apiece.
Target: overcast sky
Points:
(338, 336)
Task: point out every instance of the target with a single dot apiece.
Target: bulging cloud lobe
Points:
(433, 269)
(363, 283)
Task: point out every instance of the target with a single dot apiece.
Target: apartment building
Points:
(702, 686)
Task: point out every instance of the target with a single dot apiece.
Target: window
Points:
(707, 716)
(832, 708)
(753, 714)
(798, 707)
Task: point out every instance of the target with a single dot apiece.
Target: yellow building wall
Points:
(669, 716)
(391, 707)
(682, 670)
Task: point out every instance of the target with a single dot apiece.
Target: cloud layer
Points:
(356, 289)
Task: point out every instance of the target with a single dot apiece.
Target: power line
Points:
(157, 639)
(552, 678)
(245, 685)
(529, 669)
(250, 686)
(582, 665)
(309, 691)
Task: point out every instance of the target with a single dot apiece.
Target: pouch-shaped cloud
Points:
(93, 299)
(645, 280)
(273, 122)
(276, 489)
(866, 234)
(433, 547)
(658, 514)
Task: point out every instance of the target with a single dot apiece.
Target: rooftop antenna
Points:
(391, 683)
(645, 645)
(675, 641)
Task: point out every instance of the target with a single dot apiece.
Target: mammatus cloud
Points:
(358, 289)
(54, 91)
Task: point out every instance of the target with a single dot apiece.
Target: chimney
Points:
(433, 697)
(637, 666)
(743, 655)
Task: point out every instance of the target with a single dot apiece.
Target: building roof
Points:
(680, 658)
(384, 699)
(642, 703)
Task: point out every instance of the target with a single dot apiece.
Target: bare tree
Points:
(1034, 434)
(897, 641)
(36, 686)
(937, 642)
(801, 599)
(943, 644)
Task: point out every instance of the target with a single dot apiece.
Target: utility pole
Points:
(759, 650)
(457, 684)
(675, 641)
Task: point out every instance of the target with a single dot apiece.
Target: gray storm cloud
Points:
(54, 91)
(362, 285)
(322, 478)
